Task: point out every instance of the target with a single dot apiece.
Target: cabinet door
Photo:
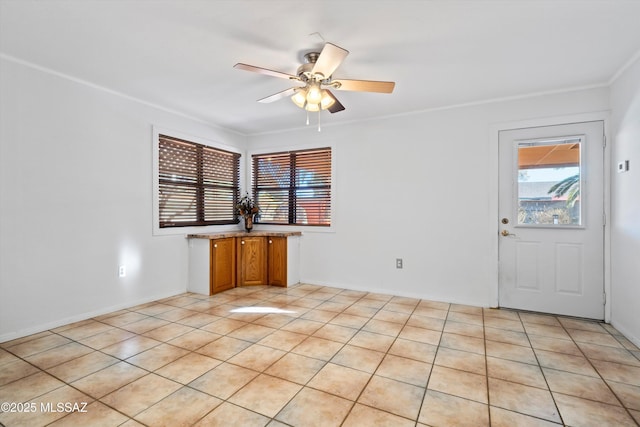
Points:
(223, 265)
(252, 260)
(277, 261)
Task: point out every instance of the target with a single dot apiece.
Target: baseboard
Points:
(627, 334)
(84, 316)
(395, 292)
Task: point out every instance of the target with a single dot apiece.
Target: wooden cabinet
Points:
(277, 261)
(252, 260)
(222, 265)
(226, 260)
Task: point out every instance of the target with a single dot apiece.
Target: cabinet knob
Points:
(242, 242)
(215, 245)
(270, 241)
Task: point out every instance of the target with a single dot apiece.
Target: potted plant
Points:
(247, 208)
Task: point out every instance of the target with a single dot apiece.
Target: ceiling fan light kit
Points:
(313, 99)
(316, 75)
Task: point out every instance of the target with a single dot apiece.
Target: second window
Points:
(293, 187)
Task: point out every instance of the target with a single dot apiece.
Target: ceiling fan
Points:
(315, 78)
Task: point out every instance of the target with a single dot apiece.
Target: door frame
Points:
(494, 183)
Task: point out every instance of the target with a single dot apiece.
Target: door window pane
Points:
(549, 182)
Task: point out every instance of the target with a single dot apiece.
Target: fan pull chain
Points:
(319, 111)
(307, 117)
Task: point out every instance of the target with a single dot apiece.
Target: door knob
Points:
(506, 233)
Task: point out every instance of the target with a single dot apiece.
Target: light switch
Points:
(623, 166)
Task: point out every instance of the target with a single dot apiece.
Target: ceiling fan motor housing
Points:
(305, 71)
(311, 57)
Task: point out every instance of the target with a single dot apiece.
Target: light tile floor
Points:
(319, 356)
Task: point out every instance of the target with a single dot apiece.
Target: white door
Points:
(551, 243)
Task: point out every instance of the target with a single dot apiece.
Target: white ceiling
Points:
(179, 54)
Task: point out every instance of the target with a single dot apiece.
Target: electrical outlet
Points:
(122, 271)
(623, 166)
(398, 262)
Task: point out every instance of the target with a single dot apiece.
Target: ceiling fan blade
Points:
(337, 106)
(277, 96)
(365, 85)
(330, 58)
(265, 71)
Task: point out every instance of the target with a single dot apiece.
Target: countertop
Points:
(261, 233)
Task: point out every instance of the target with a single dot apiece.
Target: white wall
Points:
(76, 201)
(625, 204)
(421, 187)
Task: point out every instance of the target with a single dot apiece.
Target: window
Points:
(293, 187)
(549, 182)
(198, 184)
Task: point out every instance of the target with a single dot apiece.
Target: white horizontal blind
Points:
(293, 187)
(199, 185)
